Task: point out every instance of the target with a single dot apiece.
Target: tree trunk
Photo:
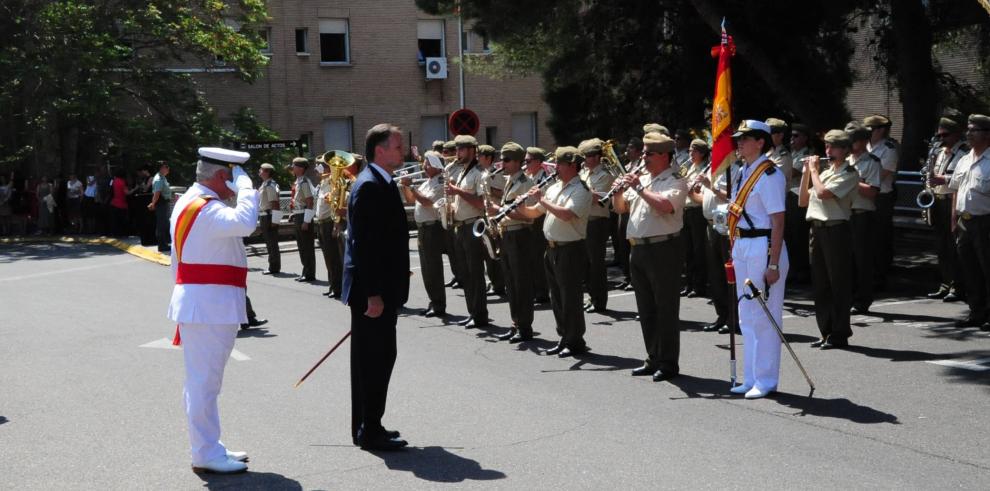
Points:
(912, 35)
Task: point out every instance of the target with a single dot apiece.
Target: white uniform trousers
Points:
(206, 348)
(761, 343)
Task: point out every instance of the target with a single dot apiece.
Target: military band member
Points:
(779, 153)
(952, 149)
(517, 243)
(208, 301)
(862, 219)
(438, 148)
(535, 172)
(492, 184)
(828, 196)
(331, 243)
(655, 201)
(599, 181)
(452, 172)
(566, 204)
(634, 150)
(449, 149)
(696, 267)
(302, 216)
(270, 211)
(884, 147)
(759, 254)
(682, 149)
(430, 237)
(971, 214)
(796, 231)
(469, 204)
(709, 197)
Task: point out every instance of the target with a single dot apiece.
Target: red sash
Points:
(200, 274)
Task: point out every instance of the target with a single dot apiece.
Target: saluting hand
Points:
(375, 307)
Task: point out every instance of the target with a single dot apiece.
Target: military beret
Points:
(449, 145)
(438, 145)
(655, 128)
(513, 151)
(268, 166)
(801, 128)
(537, 153)
(979, 121)
(589, 147)
(838, 138)
(300, 162)
(567, 154)
(658, 142)
(222, 156)
(700, 145)
(876, 121)
(776, 125)
(486, 150)
(682, 133)
(949, 124)
(462, 141)
(856, 131)
(751, 126)
(635, 142)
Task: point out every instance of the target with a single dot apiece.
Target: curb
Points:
(132, 249)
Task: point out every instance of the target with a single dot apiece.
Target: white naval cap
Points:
(433, 159)
(222, 156)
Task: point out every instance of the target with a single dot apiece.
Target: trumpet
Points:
(399, 174)
(618, 187)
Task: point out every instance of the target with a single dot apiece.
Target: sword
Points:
(317, 365)
(759, 297)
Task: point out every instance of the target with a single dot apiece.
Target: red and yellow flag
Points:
(722, 144)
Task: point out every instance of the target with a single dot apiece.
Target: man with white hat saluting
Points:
(208, 301)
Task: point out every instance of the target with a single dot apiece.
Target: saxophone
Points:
(340, 182)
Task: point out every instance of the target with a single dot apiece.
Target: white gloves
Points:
(240, 180)
(308, 215)
(276, 217)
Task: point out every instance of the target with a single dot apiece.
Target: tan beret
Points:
(567, 154)
(838, 138)
(700, 145)
(449, 145)
(856, 131)
(776, 125)
(537, 153)
(801, 128)
(513, 151)
(462, 141)
(438, 145)
(658, 142)
(979, 121)
(876, 121)
(486, 150)
(655, 128)
(268, 166)
(591, 146)
(300, 162)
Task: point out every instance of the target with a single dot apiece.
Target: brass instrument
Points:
(926, 197)
(611, 161)
(618, 187)
(340, 182)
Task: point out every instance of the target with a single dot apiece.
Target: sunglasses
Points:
(650, 154)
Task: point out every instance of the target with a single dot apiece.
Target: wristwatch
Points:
(772, 267)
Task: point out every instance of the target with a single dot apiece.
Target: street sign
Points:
(269, 145)
(464, 122)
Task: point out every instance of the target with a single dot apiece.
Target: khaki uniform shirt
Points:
(692, 172)
(268, 192)
(868, 166)
(303, 190)
(971, 182)
(682, 158)
(797, 168)
(432, 188)
(710, 200)
(575, 197)
(470, 181)
(517, 186)
(783, 158)
(887, 151)
(322, 207)
(842, 183)
(644, 220)
(946, 162)
(599, 182)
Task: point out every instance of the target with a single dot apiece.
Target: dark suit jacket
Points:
(376, 253)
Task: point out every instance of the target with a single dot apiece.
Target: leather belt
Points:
(458, 223)
(591, 219)
(653, 239)
(826, 223)
(860, 212)
(427, 223)
(943, 196)
(969, 216)
(517, 226)
(751, 233)
(555, 244)
(263, 213)
(322, 220)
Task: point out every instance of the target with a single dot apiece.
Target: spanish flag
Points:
(722, 144)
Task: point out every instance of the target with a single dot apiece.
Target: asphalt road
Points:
(83, 405)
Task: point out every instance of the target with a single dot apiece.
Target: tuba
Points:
(340, 182)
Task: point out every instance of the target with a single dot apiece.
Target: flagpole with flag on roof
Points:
(723, 153)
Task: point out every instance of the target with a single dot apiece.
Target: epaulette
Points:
(783, 151)
(890, 143)
(771, 169)
(852, 168)
(874, 157)
(964, 147)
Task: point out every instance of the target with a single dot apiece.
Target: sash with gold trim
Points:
(738, 206)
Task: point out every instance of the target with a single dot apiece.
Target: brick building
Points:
(339, 67)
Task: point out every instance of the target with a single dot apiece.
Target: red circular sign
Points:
(464, 122)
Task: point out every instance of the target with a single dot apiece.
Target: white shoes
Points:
(238, 456)
(222, 465)
(757, 393)
(740, 389)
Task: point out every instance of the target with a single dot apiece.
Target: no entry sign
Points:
(464, 122)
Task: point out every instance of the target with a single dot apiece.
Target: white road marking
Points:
(165, 343)
(68, 270)
(979, 365)
(621, 294)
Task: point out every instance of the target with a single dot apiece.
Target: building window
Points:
(491, 135)
(430, 34)
(524, 129)
(337, 134)
(334, 44)
(306, 139)
(483, 43)
(432, 128)
(266, 43)
(301, 35)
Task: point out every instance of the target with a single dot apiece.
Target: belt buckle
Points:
(967, 216)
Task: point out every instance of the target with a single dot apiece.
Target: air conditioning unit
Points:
(436, 68)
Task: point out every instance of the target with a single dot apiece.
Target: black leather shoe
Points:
(427, 312)
(714, 326)
(859, 310)
(465, 321)
(305, 280)
(392, 434)
(985, 326)
(564, 353)
(555, 350)
(327, 293)
(267, 272)
(383, 443)
(940, 293)
(540, 300)
(970, 322)
(818, 344)
(456, 285)
(520, 337)
(450, 284)
(643, 371)
(434, 313)
(335, 295)
(475, 324)
(245, 326)
(507, 336)
(500, 292)
(695, 293)
(628, 287)
(661, 375)
(726, 329)
(686, 291)
(952, 296)
(255, 322)
(834, 343)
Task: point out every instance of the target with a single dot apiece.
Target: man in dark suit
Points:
(375, 285)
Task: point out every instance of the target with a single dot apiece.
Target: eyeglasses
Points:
(650, 154)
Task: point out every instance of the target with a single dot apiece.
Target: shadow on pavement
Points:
(697, 387)
(898, 355)
(249, 480)
(42, 251)
(605, 363)
(834, 408)
(437, 464)
(3, 419)
(255, 332)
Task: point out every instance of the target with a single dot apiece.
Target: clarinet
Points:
(522, 199)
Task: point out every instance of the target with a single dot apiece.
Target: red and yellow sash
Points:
(200, 274)
(736, 207)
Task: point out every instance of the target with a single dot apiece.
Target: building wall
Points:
(384, 81)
